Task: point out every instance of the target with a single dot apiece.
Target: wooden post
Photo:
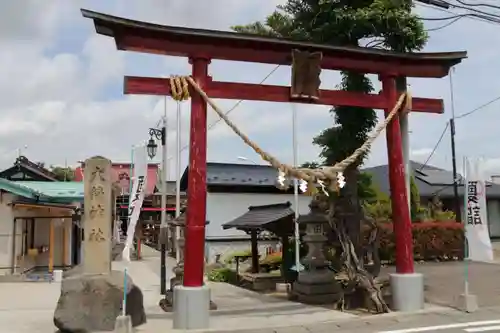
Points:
(51, 246)
(255, 251)
(98, 216)
(64, 244)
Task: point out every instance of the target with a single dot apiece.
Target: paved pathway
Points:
(28, 307)
(245, 311)
(237, 308)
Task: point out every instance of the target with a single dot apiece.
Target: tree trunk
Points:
(345, 216)
(351, 208)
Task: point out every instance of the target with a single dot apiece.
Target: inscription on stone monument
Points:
(98, 216)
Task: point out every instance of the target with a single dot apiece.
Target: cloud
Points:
(422, 152)
(61, 87)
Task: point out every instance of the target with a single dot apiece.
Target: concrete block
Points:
(407, 292)
(123, 324)
(467, 303)
(191, 307)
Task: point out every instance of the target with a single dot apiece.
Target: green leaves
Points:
(388, 23)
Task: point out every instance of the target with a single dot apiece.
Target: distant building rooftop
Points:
(430, 181)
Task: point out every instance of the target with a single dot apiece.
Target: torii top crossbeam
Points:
(131, 35)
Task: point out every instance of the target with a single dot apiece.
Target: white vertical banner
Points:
(476, 214)
(136, 196)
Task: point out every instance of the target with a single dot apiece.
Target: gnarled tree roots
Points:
(359, 285)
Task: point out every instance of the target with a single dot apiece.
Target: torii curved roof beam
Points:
(131, 35)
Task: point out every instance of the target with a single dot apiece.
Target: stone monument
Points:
(316, 284)
(91, 296)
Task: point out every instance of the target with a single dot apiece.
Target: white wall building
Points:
(231, 189)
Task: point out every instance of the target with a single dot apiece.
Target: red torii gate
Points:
(201, 46)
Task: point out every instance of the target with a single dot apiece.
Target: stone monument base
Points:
(92, 302)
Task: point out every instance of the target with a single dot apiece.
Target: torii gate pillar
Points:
(192, 299)
(407, 286)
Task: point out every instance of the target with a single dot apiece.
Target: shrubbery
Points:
(229, 259)
(431, 241)
(223, 274)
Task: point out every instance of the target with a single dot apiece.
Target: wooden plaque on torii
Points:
(306, 69)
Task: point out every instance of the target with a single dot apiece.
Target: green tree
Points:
(414, 200)
(384, 23)
(63, 174)
(366, 191)
(310, 165)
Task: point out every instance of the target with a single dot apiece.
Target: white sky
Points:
(61, 86)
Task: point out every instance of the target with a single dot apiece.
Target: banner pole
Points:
(469, 301)
(466, 243)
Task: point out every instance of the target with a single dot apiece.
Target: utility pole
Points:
(456, 197)
(163, 216)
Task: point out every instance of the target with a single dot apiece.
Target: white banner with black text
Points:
(476, 213)
(139, 177)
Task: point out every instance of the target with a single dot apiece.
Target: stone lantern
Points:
(316, 284)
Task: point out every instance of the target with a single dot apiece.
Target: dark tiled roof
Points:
(231, 174)
(22, 163)
(430, 181)
(258, 217)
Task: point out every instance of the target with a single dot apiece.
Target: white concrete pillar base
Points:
(191, 307)
(407, 292)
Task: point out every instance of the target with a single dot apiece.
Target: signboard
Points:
(476, 214)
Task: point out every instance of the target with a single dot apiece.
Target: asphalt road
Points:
(448, 321)
(445, 321)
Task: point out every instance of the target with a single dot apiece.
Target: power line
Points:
(474, 16)
(478, 108)
(477, 4)
(444, 25)
(235, 105)
(477, 11)
(435, 147)
(482, 17)
(470, 9)
(228, 111)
